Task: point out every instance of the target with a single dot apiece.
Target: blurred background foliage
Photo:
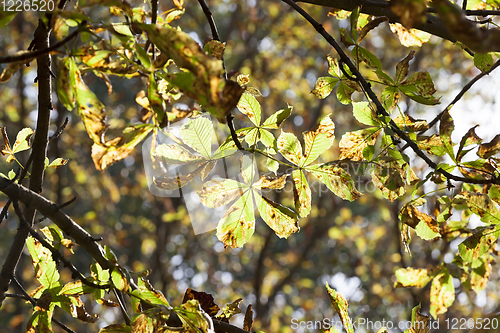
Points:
(355, 247)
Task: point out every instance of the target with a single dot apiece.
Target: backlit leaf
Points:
(324, 86)
(412, 37)
(442, 293)
(289, 146)
(446, 127)
(238, 224)
(22, 143)
(274, 121)
(480, 204)
(362, 54)
(411, 277)
(109, 152)
(301, 193)
(364, 114)
(479, 243)
(420, 88)
(483, 61)
(486, 150)
(270, 182)
(220, 192)
(197, 133)
(176, 154)
(249, 106)
(282, 220)
(352, 143)
(340, 305)
(336, 179)
(317, 140)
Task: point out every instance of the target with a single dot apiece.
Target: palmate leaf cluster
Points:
(175, 70)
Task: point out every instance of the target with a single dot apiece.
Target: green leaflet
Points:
(197, 134)
(249, 106)
(238, 224)
(442, 293)
(479, 243)
(364, 114)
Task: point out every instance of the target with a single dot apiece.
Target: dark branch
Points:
(55, 253)
(379, 108)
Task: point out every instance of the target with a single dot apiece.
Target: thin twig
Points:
(37, 53)
(379, 108)
(59, 130)
(461, 94)
(61, 206)
(215, 36)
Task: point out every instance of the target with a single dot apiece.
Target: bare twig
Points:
(215, 36)
(37, 53)
(379, 108)
(60, 129)
(65, 204)
(461, 94)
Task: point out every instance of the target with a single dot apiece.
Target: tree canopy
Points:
(154, 178)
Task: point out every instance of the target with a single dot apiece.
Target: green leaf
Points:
(50, 275)
(420, 88)
(442, 293)
(344, 93)
(479, 243)
(248, 169)
(364, 114)
(352, 144)
(317, 140)
(301, 193)
(433, 144)
(483, 61)
(276, 119)
(324, 86)
(480, 204)
(197, 133)
(219, 192)
(403, 67)
(249, 106)
(155, 100)
(446, 127)
(119, 280)
(58, 162)
(238, 224)
(65, 83)
(412, 277)
(290, 147)
(176, 154)
(146, 292)
(280, 219)
(390, 97)
(336, 179)
(386, 79)
(333, 67)
(362, 54)
(340, 305)
(122, 29)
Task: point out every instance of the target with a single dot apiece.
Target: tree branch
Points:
(433, 24)
(63, 221)
(379, 108)
(55, 253)
(39, 152)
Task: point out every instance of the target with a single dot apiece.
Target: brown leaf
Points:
(370, 26)
(207, 302)
(403, 67)
(489, 149)
(248, 321)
